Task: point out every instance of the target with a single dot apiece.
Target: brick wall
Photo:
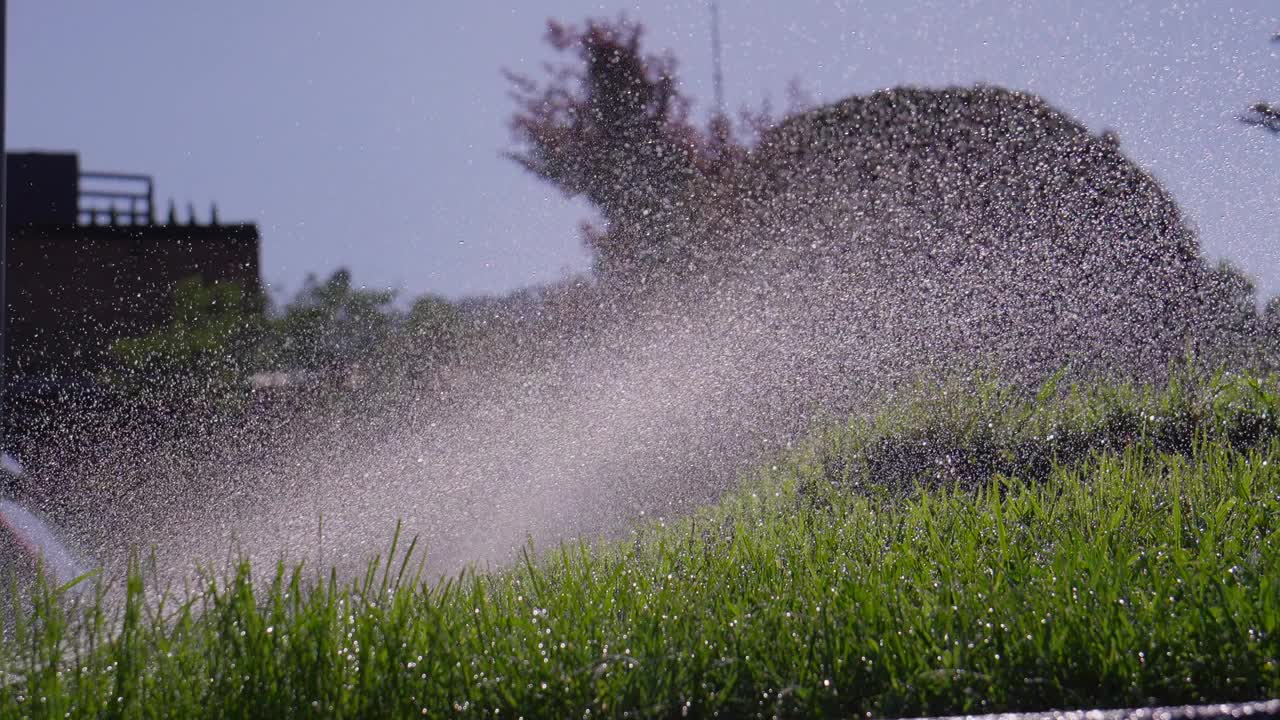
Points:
(73, 289)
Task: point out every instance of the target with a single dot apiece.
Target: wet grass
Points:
(980, 550)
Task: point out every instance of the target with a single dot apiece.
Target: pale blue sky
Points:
(370, 134)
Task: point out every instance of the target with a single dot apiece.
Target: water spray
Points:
(23, 534)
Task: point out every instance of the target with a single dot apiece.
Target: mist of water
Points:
(849, 281)
(40, 547)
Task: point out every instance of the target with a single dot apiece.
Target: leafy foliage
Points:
(928, 205)
(217, 338)
(435, 330)
(613, 127)
(204, 350)
(1000, 430)
(1264, 114)
(330, 324)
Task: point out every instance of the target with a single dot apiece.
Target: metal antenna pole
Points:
(716, 77)
(10, 470)
(4, 229)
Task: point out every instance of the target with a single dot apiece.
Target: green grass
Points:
(978, 550)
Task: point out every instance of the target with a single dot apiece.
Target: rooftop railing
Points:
(116, 199)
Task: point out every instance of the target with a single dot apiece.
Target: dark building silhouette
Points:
(88, 264)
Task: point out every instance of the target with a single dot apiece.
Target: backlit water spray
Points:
(851, 254)
(39, 546)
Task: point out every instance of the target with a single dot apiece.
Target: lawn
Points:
(975, 549)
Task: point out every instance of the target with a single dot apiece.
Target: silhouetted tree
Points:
(1264, 114)
(1270, 335)
(973, 214)
(1231, 326)
(434, 329)
(611, 126)
(429, 336)
(330, 324)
